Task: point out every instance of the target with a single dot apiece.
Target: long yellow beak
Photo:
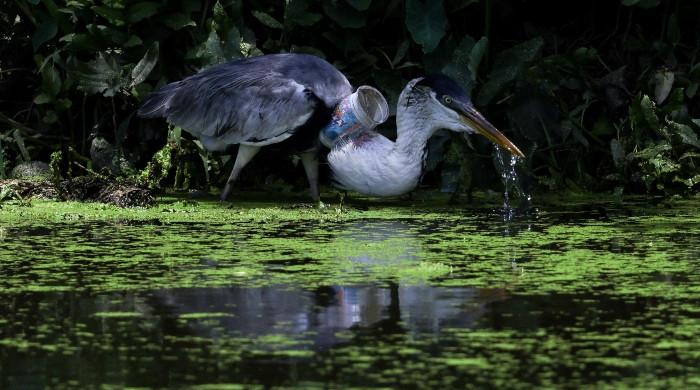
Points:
(476, 121)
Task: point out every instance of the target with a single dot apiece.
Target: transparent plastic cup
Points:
(364, 109)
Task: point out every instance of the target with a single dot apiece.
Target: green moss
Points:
(197, 316)
(117, 314)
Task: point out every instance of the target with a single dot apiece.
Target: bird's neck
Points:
(413, 129)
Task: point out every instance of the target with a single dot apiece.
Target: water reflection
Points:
(324, 311)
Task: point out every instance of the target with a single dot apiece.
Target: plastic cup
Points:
(364, 109)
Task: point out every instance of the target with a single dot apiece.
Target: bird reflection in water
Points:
(388, 307)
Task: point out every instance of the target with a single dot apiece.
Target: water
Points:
(506, 163)
(598, 295)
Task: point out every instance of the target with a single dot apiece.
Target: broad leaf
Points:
(133, 41)
(618, 153)
(343, 14)
(76, 42)
(50, 81)
(507, 67)
(45, 31)
(267, 20)
(686, 134)
(664, 82)
(215, 50)
(43, 98)
(646, 4)
(477, 54)
(114, 15)
(649, 112)
(458, 67)
(101, 75)
(360, 5)
(144, 67)
(210, 51)
(296, 12)
(426, 21)
(178, 21)
(140, 11)
(400, 52)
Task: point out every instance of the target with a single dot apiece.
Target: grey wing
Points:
(258, 100)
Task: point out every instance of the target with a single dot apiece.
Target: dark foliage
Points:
(600, 95)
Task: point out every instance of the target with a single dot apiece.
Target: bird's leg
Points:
(310, 161)
(245, 154)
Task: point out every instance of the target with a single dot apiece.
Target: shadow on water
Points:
(551, 298)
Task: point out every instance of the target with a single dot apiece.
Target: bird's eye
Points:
(447, 99)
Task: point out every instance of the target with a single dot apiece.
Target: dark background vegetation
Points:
(600, 95)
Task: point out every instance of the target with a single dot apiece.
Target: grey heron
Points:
(259, 101)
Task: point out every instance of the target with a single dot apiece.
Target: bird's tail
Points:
(157, 103)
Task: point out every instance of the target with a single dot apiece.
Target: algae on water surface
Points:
(190, 293)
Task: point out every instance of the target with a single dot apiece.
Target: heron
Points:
(288, 98)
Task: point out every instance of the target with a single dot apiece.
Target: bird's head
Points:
(449, 106)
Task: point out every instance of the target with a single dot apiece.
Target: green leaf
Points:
(694, 73)
(43, 98)
(44, 32)
(220, 16)
(477, 54)
(19, 140)
(689, 155)
(232, 44)
(618, 153)
(114, 15)
(664, 83)
(343, 14)
(121, 130)
(101, 75)
(63, 104)
(689, 182)
(144, 67)
(391, 84)
(646, 4)
(210, 51)
(649, 112)
(458, 5)
(400, 52)
(673, 31)
(507, 67)
(133, 41)
(141, 11)
(77, 42)
(50, 117)
(267, 20)
(651, 151)
(178, 21)
(296, 12)
(50, 81)
(686, 134)
(216, 51)
(360, 5)
(426, 21)
(458, 67)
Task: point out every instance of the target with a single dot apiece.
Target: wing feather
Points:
(249, 100)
